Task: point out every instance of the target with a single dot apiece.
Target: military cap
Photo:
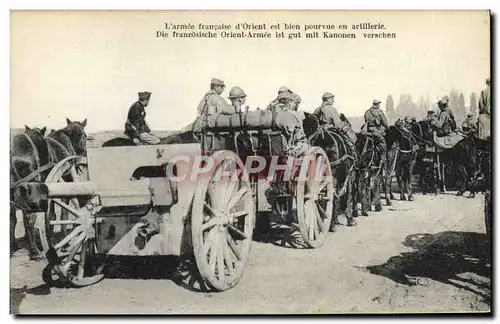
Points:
(218, 82)
(445, 99)
(284, 89)
(376, 101)
(327, 95)
(431, 112)
(286, 95)
(236, 92)
(144, 95)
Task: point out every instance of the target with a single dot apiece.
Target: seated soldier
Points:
(136, 127)
(469, 125)
(376, 124)
(273, 103)
(445, 122)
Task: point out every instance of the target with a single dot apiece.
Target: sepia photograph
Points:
(245, 162)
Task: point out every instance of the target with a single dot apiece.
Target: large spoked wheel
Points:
(68, 230)
(222, 221)
(315, 193)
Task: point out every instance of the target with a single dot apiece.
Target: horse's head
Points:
(76, 133)
(423, 130)
(35, 133)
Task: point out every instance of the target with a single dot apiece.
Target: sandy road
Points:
(427, 255)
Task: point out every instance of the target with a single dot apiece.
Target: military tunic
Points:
(444, 122)
(136, 121)
(327, 114)
(484, 119)
(213, 103)
(375, 121)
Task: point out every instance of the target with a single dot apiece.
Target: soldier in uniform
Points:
(445, 122)
(327, 114)
(485, 112)
(281, 90)
(376, 124)
(469, 125)
(238, 98)
(212, 102)
(431, 115)
(136, 127)
(299, 113)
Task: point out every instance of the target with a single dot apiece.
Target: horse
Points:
(72, 137)
(176, 138)
(342, 158)
(33, 152)
(369, 171)
(402, 157)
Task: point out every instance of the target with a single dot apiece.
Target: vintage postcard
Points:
(250, 162)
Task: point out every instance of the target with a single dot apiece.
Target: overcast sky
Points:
(91, 65)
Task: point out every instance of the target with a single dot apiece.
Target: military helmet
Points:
(327, 95)
(284, 89)
(297, 98)
(286, 95)
(236, 92)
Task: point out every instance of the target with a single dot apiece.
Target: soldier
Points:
(281, 90)
(431, 115)
(212, 102)
(238, 98)
(469, 125)
(135, 126)
(445, 122)
(376, 124)
(484, 112)
(326, 113)
(285, 101)
(299, 113)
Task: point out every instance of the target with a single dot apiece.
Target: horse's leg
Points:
(13, 222)
(349, 209)
(462, 174)
(410, 173)
(365, 199)
(399, 178)
(29, 228)
(376, 193)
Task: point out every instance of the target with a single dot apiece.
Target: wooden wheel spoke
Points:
(228, 259)
(65, 222)
(311, 222)
(320, 220)
(220, 257)
(236, 198)
(76, 247)
(236, 231)
(322, 186)
(231, 188)
(321, 210)
(211, 223)
(213, 253)
(238, 214)
(67, 207)
(79, 229)
(233, 246)
(207, 245)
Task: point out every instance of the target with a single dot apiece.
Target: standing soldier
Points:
(212, 102)
(136, 127)
(376, 124)
(484, 112)
(238, 99)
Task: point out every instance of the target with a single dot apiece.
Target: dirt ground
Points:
(429, 255)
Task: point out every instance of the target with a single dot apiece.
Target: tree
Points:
(389, 109)
(453, 104)
(473, 103)
(461, 107)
